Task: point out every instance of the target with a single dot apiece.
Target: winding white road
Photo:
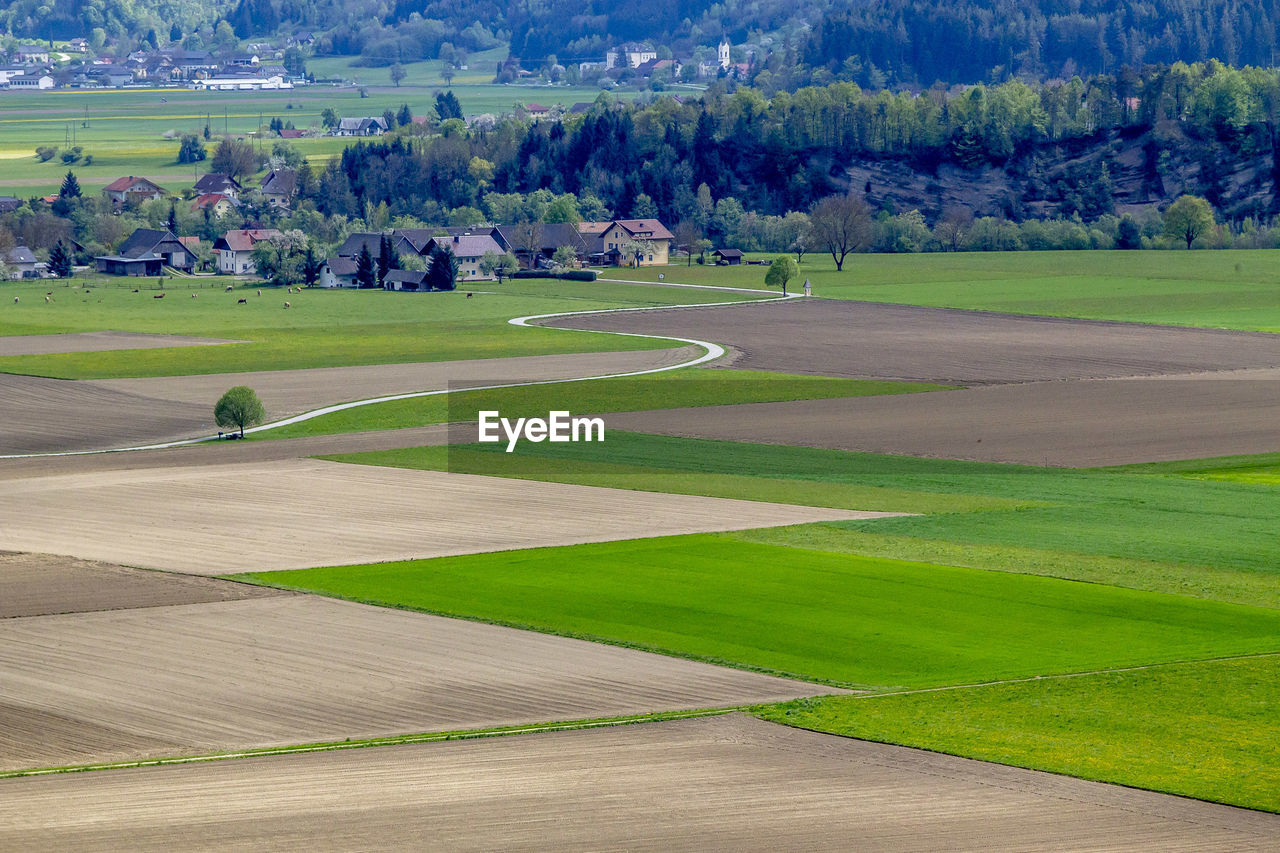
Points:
(711, 352)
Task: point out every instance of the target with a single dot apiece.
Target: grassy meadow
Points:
(1233, 289)
(125, 129)
(323, 328)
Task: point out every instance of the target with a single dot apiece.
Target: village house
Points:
(338, 272)
(216, 182)
(22, 263)
(8, 204)
(364, 126)
(42, 81)
(132, 190)
(728, 257)
(470, 250)
(405, 280)
(518, 240)
(146, 253)
(235, 249)
(608, 242)
(278, 188)
(629, 55)
(218, 204)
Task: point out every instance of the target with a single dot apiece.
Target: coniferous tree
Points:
(60, 260)
(366, 269)
(442, 274)
(70, 187)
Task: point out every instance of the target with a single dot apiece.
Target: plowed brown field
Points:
(294, 669)
(865, 339)
(304, 513)
(97, 342)
(724, 783)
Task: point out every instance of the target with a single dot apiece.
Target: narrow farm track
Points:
(717, 783)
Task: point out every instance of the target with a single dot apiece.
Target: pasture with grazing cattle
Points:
(874, 518)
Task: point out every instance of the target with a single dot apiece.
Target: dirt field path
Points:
(722, 783)
(302, 513)
(97, 342)
(878, 341)
(291, 669)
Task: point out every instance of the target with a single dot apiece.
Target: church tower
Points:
(722, 55)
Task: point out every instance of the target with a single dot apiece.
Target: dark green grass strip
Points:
(842, 619)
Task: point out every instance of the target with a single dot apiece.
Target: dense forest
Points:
(1068, 148)
(874, 43)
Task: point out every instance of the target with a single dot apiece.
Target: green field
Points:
(858, 621)
(673, 389)
(126, 128)
(323, 328)
(1204, 729)
(1237, 289)
(1143, 529)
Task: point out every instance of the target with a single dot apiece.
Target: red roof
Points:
(536, 108)
(120, 185)
(291, 133)
(209, 200)
(650, 228)
(242, 240)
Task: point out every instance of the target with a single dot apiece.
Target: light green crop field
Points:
(125, 129)
(673, 389)
(1205, 729)
(1145, 529)
(1236, 289)
(323, 328)
(859, 621)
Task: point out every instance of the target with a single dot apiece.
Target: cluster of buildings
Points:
(200, 69)
(641, 59)
(148, 251)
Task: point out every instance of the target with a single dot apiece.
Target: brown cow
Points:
(159, 296)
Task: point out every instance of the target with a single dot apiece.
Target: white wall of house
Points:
(328, 279)
(231, 262)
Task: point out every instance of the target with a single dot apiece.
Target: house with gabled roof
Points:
(372, 240)
(235, 249)
(279, 187)
(132, 190)
(469, 249)
(607, 239)
(146, 252)
(216, 182)
(549, 236)
(218, 204)
(363, 126)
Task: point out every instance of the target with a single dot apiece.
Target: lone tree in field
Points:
(1188, 218)
(239, 408)
(398, 74)
(841, 224)
(781, 271)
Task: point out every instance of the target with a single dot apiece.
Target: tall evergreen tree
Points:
(366, 269)
(70, 187)
(442, 274)
(60, 260)
(311, 265)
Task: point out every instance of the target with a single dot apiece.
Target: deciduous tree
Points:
(781, 271)
(1188, 218)
(239, 408)
(841, 225)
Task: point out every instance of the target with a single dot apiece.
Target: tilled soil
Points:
(872, 340)
(303, 513)
(722, 783)
(45, 584)
(1074, 424)
(291, 669)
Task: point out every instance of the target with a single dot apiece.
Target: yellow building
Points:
(606, 241)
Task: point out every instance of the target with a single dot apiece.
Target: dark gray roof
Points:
(280, 182)
(554, 235)
(20, 255)
(150, 241)
(411, 276)
(373, 241)
(215, 182)
(341, 266)
(729, 253)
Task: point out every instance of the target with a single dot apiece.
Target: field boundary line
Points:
(712, 351)
(390, 740)
(871, 694)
